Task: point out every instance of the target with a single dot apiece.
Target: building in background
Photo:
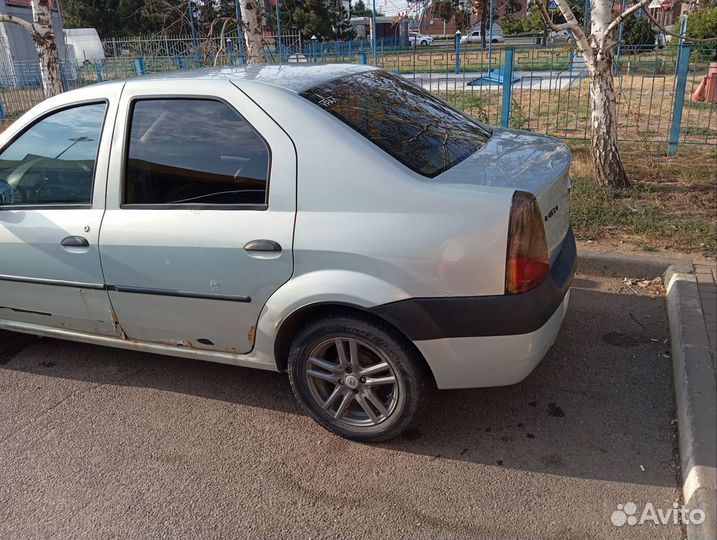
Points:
(430, 23)
(392, 30)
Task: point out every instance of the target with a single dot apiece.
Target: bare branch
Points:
(572, 24)
(548, 21)
(16, 20)
(624, 15)
(227, 20)
(662, 28)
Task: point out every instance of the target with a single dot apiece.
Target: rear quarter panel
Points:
(360, 212)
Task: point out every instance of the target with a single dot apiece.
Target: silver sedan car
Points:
(336, 222)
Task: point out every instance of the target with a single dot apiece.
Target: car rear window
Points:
(418, 129)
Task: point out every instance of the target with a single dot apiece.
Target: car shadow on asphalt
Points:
(599, 406)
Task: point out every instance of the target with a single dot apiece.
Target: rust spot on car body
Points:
(117, 326)
(251, 335)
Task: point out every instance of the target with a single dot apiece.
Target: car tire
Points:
(352, 395)
(424, 43)
(494, 40)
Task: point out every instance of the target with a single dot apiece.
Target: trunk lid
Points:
(528, 162)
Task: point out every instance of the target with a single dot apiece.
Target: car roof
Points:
(293, 77)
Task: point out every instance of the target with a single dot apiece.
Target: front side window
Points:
(416, 128)
(53, 162)
(193, 151)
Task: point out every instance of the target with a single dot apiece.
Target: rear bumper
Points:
(473, 362)
(497, 315)
(487, 340)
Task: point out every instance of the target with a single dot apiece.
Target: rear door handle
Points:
(262, 245)
(75, 241)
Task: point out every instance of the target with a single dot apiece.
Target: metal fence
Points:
(541, 89)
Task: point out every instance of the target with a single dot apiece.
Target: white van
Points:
(86, 44)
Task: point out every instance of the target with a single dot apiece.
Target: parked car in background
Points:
(475, 37)
(196, 214)
(414, 38)
(86, 45)
(561, 36)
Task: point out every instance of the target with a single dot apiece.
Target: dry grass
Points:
(644, 109)
(672, 204)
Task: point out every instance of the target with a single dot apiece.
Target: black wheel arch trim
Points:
(496, 315)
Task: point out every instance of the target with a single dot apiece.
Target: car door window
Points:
(52, 163)
(193, 151)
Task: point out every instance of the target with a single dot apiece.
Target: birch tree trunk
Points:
(43, 36)
(47, 53)
(598, 49)
(605, 152)
(252, 21)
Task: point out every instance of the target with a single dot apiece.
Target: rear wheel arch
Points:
(299, 318)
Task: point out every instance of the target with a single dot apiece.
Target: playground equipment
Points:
(707, 90)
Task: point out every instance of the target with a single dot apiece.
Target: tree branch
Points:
(16, 20)
(572, 24)
(662, 28)
(624, 15)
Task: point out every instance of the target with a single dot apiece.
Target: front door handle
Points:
(75, 241)
(262, 245)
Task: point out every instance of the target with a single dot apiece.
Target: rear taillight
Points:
(527, 262)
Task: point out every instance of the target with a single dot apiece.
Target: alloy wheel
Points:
(352, 382)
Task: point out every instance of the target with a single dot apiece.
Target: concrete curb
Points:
(694, 375)
(614, 265)
(696, 398)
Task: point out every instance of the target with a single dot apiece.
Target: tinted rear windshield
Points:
(418, 129)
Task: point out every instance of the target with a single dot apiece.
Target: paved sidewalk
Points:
(708, 295)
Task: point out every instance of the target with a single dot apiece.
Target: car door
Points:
(200, 214)
(52, 188)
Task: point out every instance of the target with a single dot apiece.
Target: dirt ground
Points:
(670, 209)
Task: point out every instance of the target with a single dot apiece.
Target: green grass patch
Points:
(596, 211)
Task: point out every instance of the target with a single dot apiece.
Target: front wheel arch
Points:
(299, 318)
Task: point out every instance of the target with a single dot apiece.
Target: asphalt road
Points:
(97, 442)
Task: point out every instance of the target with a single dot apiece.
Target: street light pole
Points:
(240, 33)
(195, 45)
(278, 32)
(374, 40)
(490, 39)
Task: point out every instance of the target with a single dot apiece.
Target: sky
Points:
(389, 7)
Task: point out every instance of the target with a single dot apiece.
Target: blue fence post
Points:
(683, 64)
(620, 34)
(507, 87)
(181, 62)
(98, 67)
(314, 47)
(683, 32)
(350, 49)
(2, 112)
(363, 58)
(139, 65)
(458, 51)
(586, 18)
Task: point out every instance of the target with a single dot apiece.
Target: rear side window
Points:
(193, 151)
(418, 129)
